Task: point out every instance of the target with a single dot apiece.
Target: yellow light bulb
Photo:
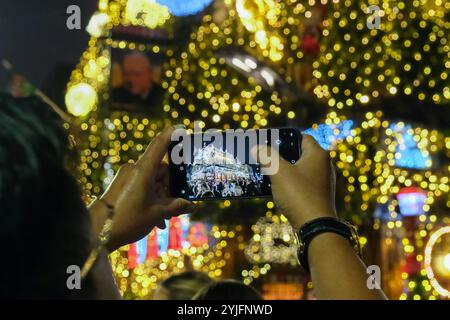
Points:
(80, 99)
(146, 12)
(364, 99)
(97, 24)
(393, 90)
(216, 118)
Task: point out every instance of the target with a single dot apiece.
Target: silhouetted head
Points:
(228, 290)
(182, 286)
(43, 221)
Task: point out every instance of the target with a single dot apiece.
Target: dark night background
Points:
(35, 39)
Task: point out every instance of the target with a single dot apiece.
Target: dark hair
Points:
(184, 286)
(43, 221)
(228, 290)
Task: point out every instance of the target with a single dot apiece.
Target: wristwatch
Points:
(321, 225)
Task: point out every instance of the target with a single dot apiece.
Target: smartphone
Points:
(217, 165)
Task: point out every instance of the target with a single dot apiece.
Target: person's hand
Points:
(140, 196)
(305, 190)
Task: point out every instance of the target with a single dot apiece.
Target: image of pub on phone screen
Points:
(216, 173)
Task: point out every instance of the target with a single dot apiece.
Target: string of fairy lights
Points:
(355, 66)
(140, 282)
(378, 176)
(358, 64)
(273, 241)
(375, 179)
(428, 259)
(200, 83)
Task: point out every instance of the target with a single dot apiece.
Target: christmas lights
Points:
(376, 156)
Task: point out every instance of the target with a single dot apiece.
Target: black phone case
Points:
(173, 167)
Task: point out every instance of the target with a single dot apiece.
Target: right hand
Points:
(305, 190)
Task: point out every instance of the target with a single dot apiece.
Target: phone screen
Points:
(218, 165)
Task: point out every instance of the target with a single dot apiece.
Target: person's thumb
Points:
(178, 206)
(271, 162)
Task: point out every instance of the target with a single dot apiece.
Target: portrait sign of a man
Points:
(135, 84)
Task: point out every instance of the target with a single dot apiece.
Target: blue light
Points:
(329, 135)
(382, 212)
(141, 248)
(411, 201)
(163, 238)
(408, 155)
(185, 7)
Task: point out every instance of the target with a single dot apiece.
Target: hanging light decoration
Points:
(97, 24)
(434, 238)
(258, 17)
(146, 12)
(80, 99)
(185, 8)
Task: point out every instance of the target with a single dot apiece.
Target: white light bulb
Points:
(446, 262)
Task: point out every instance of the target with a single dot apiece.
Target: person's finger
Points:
(120, 179)
(161, 224)
(162, 181)
(176, 206)
(162, 190)
(163, 172)
(124, 172)
(272, 163)
(153, 155)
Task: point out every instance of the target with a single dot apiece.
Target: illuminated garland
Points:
(273, 242)
(262, 248)
(88, 80)
(145, 12)
(113, 138)
(403, 245)
(201, 86)
(409, 55)
(258, 16)
(428, 261)
(140, 282)
(366, 159)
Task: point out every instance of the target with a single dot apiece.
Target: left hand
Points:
(139, 194)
